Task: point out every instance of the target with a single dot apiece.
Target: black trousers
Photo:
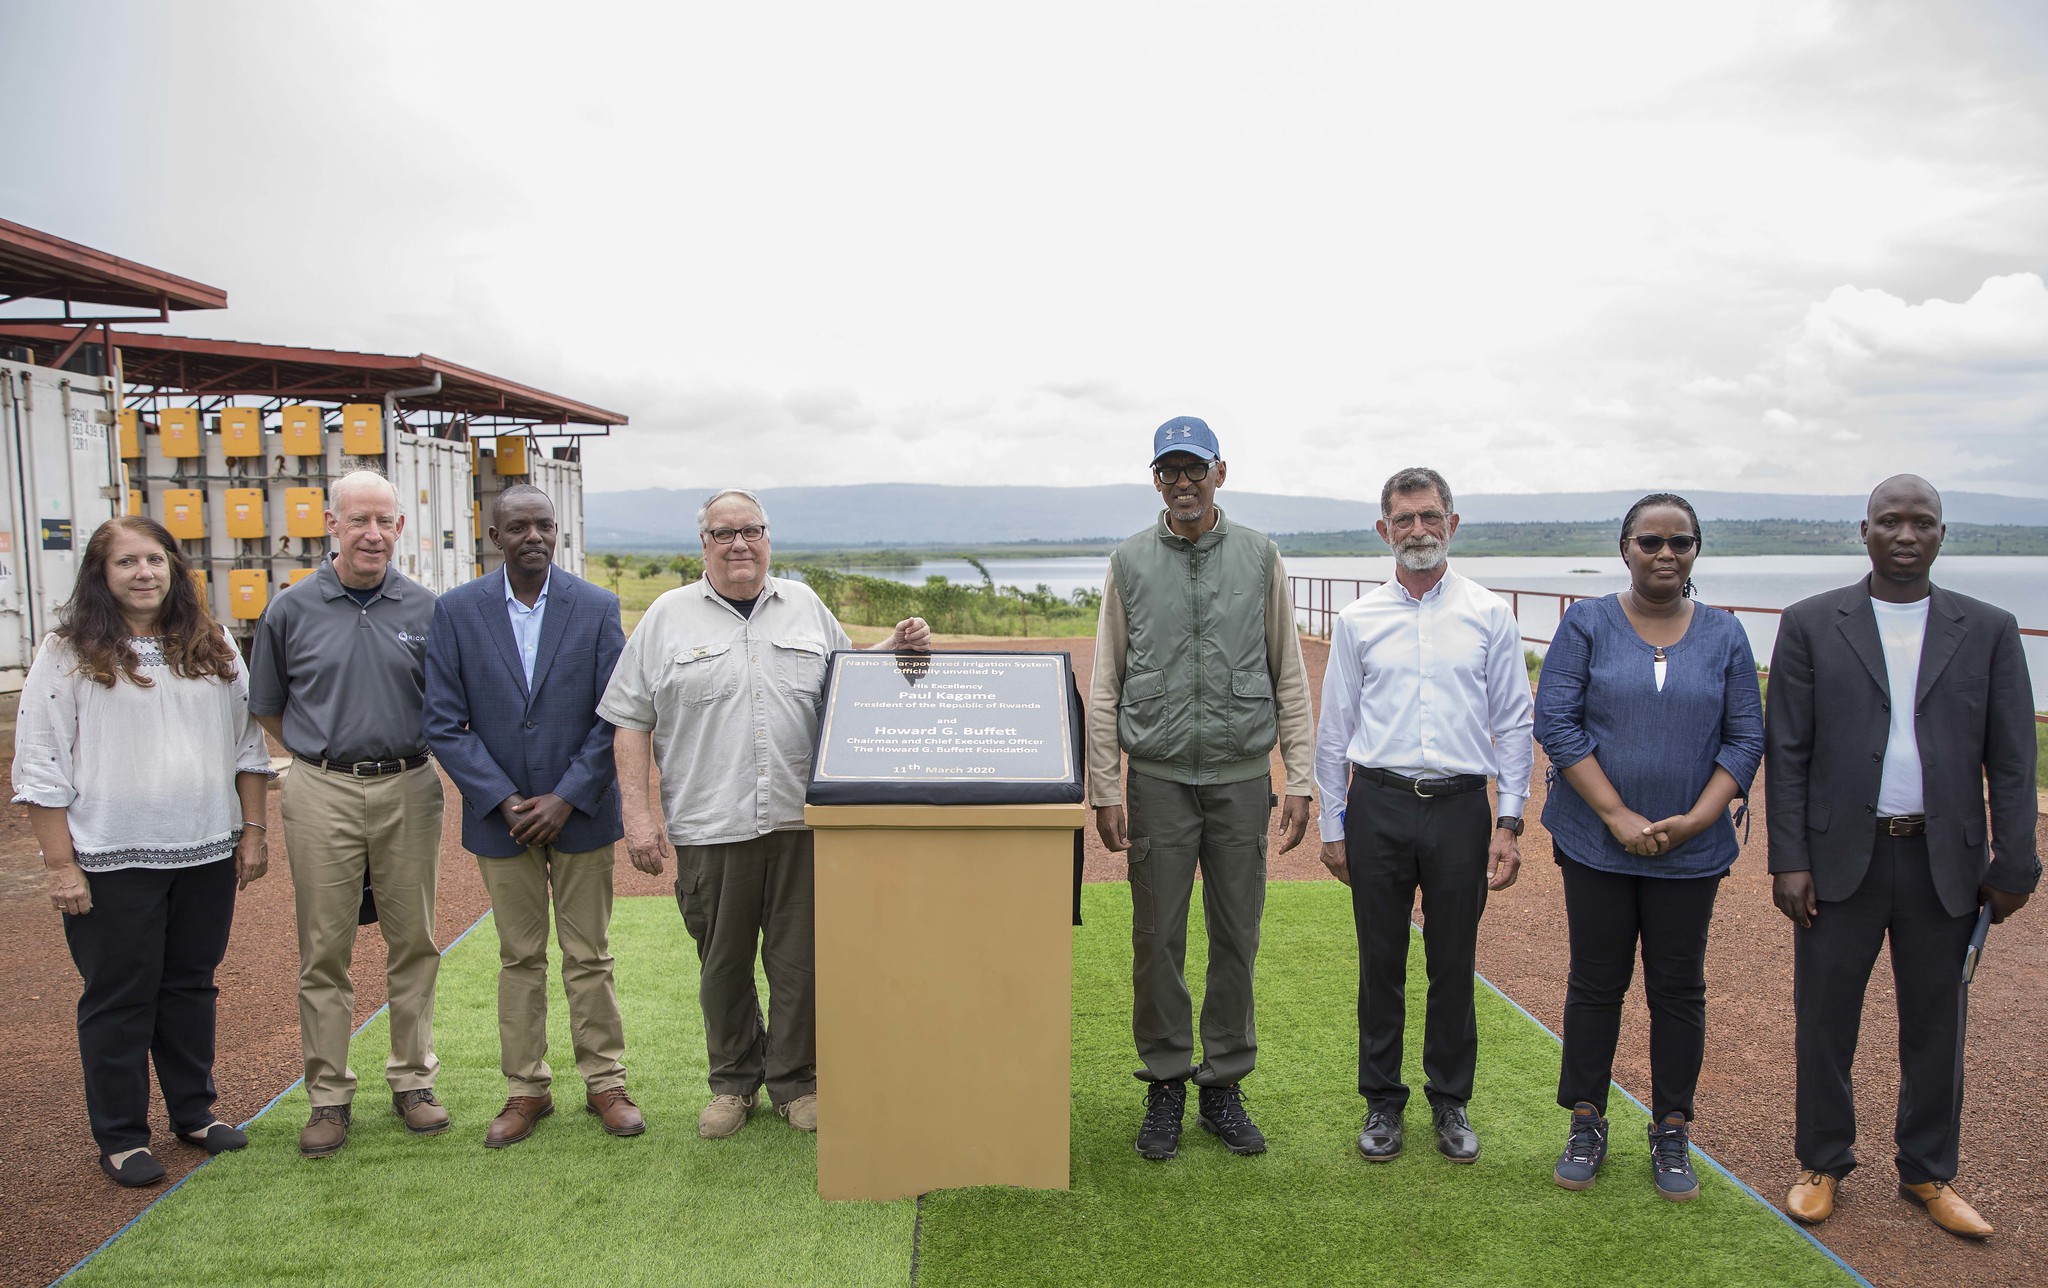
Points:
(1397, 842)
(1609, 913)
(147, 953)
(1831, 963)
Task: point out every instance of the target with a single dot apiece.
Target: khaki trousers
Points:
(731, 897)
(582, 886)
(336, 827)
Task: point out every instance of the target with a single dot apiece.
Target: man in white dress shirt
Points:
(1425, 698)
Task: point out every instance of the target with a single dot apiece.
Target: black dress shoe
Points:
(218, 1138)
(1159, 1134)
(1222, 1115)
(1380, 1142)
(1455, 1138)
(138, 1169)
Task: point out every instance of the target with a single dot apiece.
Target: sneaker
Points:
(1584, 1151)
(801, 1113)
(725, 1115)
(1671, 1159)
(422, 1113)
(326, 1131)
(1159, 1134)
(1221, 1113)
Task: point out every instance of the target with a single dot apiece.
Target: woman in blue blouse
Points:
(1649, 712)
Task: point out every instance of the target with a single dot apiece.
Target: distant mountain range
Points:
(926, 514)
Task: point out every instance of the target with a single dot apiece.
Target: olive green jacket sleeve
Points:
(1290, 684)
(1105, 690)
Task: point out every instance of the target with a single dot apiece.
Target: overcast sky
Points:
(1775, 246)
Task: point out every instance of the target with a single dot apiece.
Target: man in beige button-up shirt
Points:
(720, 687)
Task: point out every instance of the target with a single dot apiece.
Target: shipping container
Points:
(62, 480)
(561, 480)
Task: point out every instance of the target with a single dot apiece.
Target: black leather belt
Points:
(1904, 825)
(366, 768)
(1455, 785)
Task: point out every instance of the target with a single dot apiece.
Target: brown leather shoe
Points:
(616, 1110)
(1948, 1209)
(1812, 1199)
(515, 1121)
(326, 1132)
(422, 1113)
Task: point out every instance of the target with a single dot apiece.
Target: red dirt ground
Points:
(61, 1207)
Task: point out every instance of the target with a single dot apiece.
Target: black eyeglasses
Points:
(752, 532)
(1195, 473)
(1681, 544)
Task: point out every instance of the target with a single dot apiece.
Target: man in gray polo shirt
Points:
(337, 674)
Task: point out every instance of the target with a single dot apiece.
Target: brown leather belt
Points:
(1455, 785)
(366, 768)
(1904, 825)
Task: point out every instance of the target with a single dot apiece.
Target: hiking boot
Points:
(1159, 1134)
(1671, 1159)
(1584, 1151)
(725, 1115)
(422, 1113)
(1221, 1113)
(326, 1131)
(801, 1113)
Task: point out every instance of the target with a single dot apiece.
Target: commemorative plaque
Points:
(948, 729)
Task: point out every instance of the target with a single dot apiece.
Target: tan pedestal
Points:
(945, 996)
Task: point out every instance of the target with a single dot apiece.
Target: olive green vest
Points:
(1197, 704)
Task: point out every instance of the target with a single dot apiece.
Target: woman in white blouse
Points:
(144, 776)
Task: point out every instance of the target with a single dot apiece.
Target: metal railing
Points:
(1318, 600)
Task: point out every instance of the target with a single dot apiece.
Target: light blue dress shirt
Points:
(526, 624)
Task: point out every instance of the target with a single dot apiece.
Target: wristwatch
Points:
(1509, 823)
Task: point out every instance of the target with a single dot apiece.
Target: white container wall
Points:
(437, 496)
(61, 482)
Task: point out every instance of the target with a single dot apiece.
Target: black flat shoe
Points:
(135, 1171)
(218, 1138)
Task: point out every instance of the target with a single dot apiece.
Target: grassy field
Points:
(573, 1206)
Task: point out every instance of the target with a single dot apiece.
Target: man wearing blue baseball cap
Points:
(1198, 674)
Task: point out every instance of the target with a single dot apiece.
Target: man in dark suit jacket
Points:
(516, 663)
(1892, 703)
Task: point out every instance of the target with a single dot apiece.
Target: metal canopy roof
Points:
(37, 266)
(173, 366)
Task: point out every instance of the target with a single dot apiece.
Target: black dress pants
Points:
(1831, 963)
(147, 953)
(1396, 842)
(1609, 914)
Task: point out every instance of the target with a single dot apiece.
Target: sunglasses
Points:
(1680, 545)
(1167, 474)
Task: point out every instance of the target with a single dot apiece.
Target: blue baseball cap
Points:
(1185, 434)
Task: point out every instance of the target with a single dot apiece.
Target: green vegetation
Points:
(575, 1206)
(1723, 537)
(952, 608)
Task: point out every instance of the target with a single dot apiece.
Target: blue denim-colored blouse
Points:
(1598, 696)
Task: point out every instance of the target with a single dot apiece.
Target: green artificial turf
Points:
(573, 1206)
(1310, 1211)
(569, 1206)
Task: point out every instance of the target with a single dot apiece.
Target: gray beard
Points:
(1422, 558)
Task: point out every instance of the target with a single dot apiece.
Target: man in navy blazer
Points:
(516, 663)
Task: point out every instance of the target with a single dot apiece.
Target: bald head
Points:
(1903, 489)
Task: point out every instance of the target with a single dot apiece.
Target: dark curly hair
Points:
(92, 624)
(1651, 502)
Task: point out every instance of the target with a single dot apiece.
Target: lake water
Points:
(2018, 583)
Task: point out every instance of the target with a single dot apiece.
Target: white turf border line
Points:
(1712, 1162)
(174, 1186)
